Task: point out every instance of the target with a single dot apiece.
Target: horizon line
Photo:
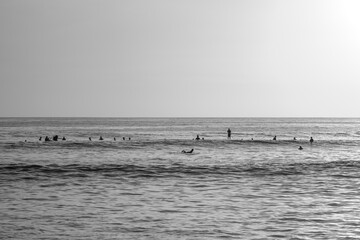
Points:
(158, 117)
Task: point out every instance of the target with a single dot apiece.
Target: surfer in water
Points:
(90, 139)
(311, 140)
(101, 138)
(229, 133)
(197, 137)
(191, 151)
(300, 148)
(274, 138)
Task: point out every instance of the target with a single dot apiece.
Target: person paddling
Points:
(191, 151)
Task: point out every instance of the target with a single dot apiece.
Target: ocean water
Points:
(249, 187)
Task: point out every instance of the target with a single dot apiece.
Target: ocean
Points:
(144, 187)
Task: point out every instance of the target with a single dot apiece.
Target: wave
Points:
(335, 168)
(150, 143)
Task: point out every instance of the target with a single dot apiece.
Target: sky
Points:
(185, 58)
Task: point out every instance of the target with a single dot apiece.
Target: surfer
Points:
(40, 138)
(64, 139)
(124, 138)
(197, 137)
(90, 139)
(47, 139)
(114, 139)
(311, 140)
(300, 148)
(101, 138)
(55, 138)
(183, 151)
(274, 138)
(229, 133)
(294, 138)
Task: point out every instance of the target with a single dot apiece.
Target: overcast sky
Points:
(185, 58)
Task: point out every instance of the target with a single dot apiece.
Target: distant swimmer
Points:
(300, 148)
(191, 151)
(294, 138)
(40, 138)
(101, 138)
(124, 138)
(274, 138)
(55, 138)
(47, 139)
(64, 139)
(197, 137)
(90, 139)
(129, 138)
(114, 139)
(203, 139)
(229, 133)
(311, 140)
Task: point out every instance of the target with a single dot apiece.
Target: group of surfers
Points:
(229, 137)
(56, 138)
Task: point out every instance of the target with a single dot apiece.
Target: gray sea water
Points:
(145, 188)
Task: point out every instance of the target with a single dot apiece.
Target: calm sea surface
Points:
(145, 188)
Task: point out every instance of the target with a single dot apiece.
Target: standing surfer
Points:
(229, 133)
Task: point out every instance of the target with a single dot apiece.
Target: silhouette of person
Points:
(129, 138)
(229, 133)
(274, 138)
(123, 138)
(197, 137)
(63, 138)
(311, 140)
(55, 138)
(47, 139)
(191, 151)
(101, 138)
(114, 139)
(294, 138)
(40, 138)
(90, 139)
(300, 148)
